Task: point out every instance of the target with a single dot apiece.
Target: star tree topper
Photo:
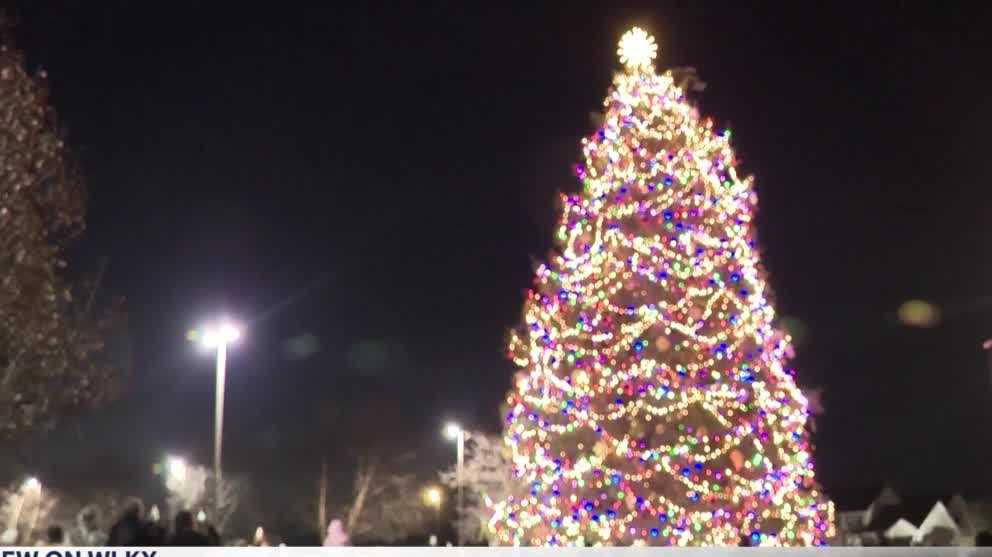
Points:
(637, 49)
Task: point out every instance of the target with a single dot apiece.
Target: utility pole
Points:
(459, 525)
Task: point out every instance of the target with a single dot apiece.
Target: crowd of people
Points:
(134, 529)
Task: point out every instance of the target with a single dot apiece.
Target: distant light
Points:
(154, 515)
(432, 495)
(32, 483)
(919, 313)
(452, 430)
(177, 468)
(201, 516)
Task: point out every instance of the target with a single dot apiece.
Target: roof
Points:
(912, 509)
(939, 517)
(900, 530)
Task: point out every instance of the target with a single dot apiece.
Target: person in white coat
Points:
(336, 536)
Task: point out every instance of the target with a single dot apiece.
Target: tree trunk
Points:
(363, 482)
(322, 502)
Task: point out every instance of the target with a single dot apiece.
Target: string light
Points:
(652, 405)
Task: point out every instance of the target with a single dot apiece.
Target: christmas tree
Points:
(653, 405)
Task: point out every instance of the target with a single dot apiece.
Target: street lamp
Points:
(176, 468)
(433, 498)
(455, 432)
(219, 336)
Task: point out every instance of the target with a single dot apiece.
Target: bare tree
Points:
(193, 490)
(24, 512)
(187, 488)
(231, 494)
(488, 478)
(87, 518)
(385, 505)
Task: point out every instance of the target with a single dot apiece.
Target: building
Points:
(889, 519)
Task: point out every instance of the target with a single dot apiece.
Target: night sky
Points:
(367, 185)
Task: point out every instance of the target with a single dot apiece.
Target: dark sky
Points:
(379, 176)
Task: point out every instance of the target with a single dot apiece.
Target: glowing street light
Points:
(177, 468)
(452, 430)
(433, 498)
(223, 334)
(32, 484)
(455, 432)
(219, 336)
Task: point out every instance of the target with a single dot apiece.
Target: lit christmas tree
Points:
(653, 405)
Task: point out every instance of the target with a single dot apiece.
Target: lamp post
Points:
(454, 432)
(219, 337)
